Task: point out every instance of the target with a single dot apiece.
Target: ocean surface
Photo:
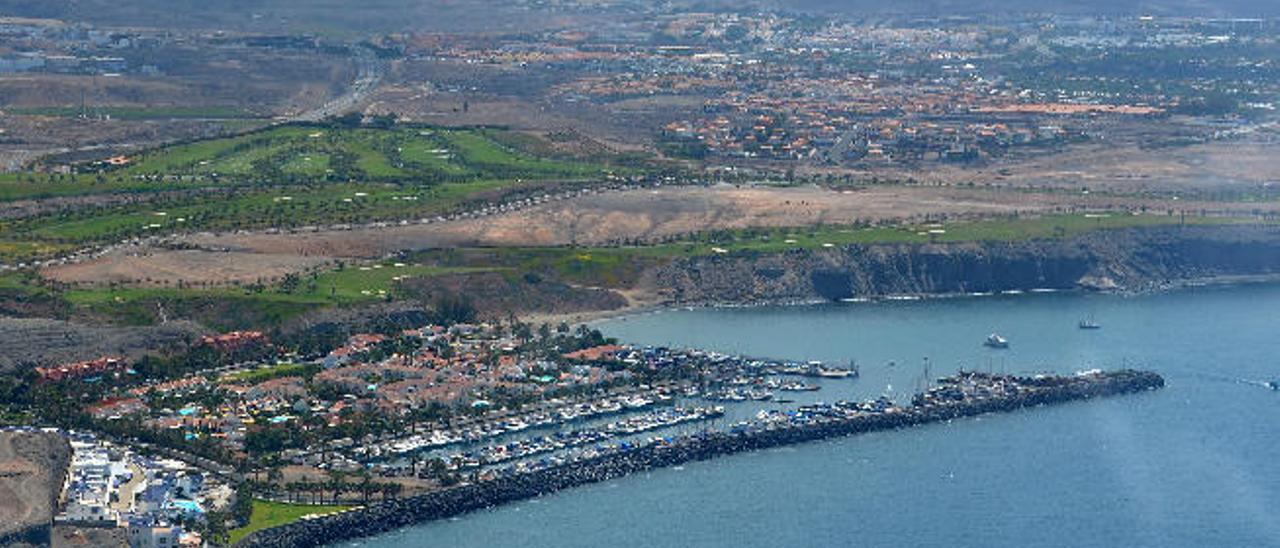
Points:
(1196, 464)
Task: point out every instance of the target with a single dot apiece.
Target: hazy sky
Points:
(1210, 7)
(464, 15)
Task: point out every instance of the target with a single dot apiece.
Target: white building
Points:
(148, 535)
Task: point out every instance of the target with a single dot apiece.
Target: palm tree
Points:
(390, 490)
(315, 488)
(337, 482)
(274, 476)
(366, 485)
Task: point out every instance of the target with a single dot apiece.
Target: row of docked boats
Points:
(531, 447)
(817, 369)
(476, 433)
(791, 386)
(738, 394)
(965, 393)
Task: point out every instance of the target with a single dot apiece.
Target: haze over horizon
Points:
(1232, 8)
(490, 15)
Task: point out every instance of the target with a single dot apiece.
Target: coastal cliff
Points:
(1137, 259)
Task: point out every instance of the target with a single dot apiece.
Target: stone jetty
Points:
(964, 395)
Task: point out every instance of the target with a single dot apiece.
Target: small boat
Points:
(1274, 385)
(1089, 323)
(792, 386)
(996, 341)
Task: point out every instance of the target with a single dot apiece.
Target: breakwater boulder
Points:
(1016, 393)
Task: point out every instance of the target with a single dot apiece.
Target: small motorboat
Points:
(996, 341)
(1274, 385)
(1090, 323)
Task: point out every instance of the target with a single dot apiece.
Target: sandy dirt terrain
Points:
(149, 266)
(70, 536)
(32, 466)
(643, 214)
(646, 215)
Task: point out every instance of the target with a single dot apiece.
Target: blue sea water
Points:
(1196, 464)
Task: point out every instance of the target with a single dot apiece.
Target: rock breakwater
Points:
(961, 396)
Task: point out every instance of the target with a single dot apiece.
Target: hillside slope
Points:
(1133, 260)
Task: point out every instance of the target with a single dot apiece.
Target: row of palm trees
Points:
(310, 491)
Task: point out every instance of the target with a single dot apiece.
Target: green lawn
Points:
(379, 154)
(997, 229)
(398, 154)
(26, 283)
(23, 250)
(371, 282)
(475, 149)
(279, 177)
(267, 514)
(242, 162)
(282, 177)
(223, 308)
(239, 307)
(269, 372)
(619, 266)
(33, 186)
(231, 307)
(346, 203)
(431, 154)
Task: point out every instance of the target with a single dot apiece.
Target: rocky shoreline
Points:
(391, 515)
(1128, 260)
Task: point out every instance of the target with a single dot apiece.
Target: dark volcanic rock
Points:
(383, 517)
(51, 342)
(1134, 259)
(33, 466)
(496, 294)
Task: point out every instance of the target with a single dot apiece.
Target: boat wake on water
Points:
(1269, 385)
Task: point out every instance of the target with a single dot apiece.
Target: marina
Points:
(549, 429)
(963, 395)
(1126, 471)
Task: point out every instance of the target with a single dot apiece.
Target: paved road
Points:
(370, 71)
(125, 502)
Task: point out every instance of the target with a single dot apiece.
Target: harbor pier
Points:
(962, 395)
